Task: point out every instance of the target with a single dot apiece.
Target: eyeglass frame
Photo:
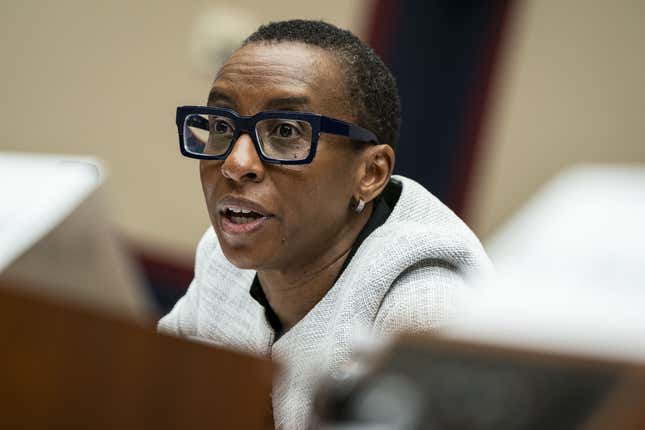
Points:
(246, 124)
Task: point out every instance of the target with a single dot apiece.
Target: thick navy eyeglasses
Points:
(279, 137)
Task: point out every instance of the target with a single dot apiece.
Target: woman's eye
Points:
(285, 130)
(220, 127)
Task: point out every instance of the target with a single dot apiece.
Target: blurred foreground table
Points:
(65, 368)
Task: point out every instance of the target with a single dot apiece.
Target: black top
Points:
(383, 205)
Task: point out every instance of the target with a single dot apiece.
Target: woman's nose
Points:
(243, 163)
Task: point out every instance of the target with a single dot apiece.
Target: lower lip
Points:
(230, 227)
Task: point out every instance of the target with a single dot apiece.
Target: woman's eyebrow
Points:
(216, 97)
(288, 103)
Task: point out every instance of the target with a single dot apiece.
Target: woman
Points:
(311, 236)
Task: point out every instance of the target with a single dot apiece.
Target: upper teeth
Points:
(240, 211)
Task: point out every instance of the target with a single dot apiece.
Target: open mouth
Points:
(241, 216)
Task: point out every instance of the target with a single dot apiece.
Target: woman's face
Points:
(305, 209)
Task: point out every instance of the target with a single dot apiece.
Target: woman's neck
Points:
(293, 293)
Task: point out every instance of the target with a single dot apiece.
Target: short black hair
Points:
(368, 80)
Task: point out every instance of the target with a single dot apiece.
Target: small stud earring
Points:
(360, 205)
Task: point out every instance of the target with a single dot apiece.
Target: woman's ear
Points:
(378, 163)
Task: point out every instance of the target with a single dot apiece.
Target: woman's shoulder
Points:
(416, 205)
(420, 227)
(418, 263)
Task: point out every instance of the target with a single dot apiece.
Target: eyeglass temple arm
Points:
(354, 132)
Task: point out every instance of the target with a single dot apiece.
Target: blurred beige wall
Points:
(571, 89)
(104, 78)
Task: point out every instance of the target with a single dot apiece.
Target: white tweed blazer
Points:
(406, 275)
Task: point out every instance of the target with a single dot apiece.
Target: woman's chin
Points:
(245, 258)
(244, 264)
